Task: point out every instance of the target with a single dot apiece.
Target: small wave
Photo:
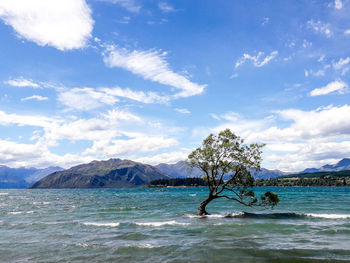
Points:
(20, 212)
(50, 223)
(227, 215)
(156, 224)
(330, 216)
(192, 195)
(146, 246)
(101, 224)
(4, 193)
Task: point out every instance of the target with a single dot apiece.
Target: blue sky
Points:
(148, 80)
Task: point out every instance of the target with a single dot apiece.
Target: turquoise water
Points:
(158, 225)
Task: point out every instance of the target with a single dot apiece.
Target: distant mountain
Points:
(114, 173)
(41, 173)
(342, 165)
(267, 174)
(22, 177)
(179, 170)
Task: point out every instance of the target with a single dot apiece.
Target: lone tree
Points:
(226, 161)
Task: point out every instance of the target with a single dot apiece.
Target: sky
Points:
(84, 80)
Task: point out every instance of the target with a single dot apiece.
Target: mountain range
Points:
(342, 165)
(120, 173)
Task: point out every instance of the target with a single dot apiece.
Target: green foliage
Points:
(345, 173)
(178, 182)
(225, 160)
(305, 181)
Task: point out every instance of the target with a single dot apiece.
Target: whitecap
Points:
(330, 216)
(15, 213)
(101, 224)
(156, 224)
(82, 245)
(4, 193)
(192, 195)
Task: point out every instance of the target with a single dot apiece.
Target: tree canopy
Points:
(226, 163)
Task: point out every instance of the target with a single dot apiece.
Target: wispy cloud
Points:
(339, 87)
(165, 7)
(85, 99)
(266, 20)
(258, 60)
(140, 96)
(63, 24)
(341, 63)
(35, 97)
(129, 5)
(182, 110)
(152, 65)
(317, 73)
(320, 27)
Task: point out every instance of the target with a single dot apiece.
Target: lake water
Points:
(158, 225)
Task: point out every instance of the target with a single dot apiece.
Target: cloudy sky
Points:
(148, 80)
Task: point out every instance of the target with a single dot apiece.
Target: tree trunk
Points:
(201, 209)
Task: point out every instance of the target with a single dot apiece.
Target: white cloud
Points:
(165, 7)
(302, 138)
(63, 24)
(347, 32)
(338, 4)
(26, 120)
(129, 5)
(139, 144)
(37, 155)
(113, 134)
(85, 99)
(341, 63)
(183, 111)
(258, 60)
(35, 97)
(169, 157)
(22, 82)
(151, 65)
(320, 27)
(332, 87)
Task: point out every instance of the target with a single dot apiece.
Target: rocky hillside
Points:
(114, 173)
